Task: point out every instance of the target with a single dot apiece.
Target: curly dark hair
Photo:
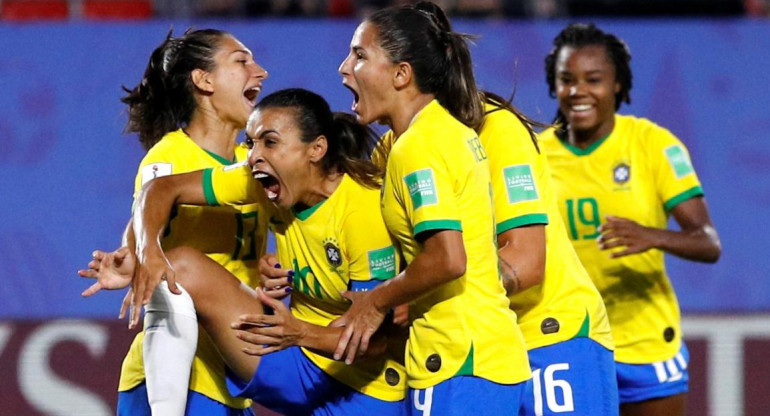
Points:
(581, 34)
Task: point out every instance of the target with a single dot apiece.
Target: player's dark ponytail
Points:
(355, 144)
(164, 100)
(422, 36)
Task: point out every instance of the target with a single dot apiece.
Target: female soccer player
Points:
(195, 97)
(407, 69)
(559, 310)
(328, 228)
(617, 179)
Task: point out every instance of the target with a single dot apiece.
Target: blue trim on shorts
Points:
(466, 395)
(575, 377)
(134, 402)
(641, 382)
(288, 382)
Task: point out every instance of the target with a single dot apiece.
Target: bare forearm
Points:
(151, 213)
(521, 257)
(701, 244)
(323, 340)
(157, 199)
(420, 277)
(129, 239)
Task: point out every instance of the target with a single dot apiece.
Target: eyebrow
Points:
(246, 51)
(268, 131)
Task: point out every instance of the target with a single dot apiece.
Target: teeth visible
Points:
(260, 175)
(271, 195)
(581, 107)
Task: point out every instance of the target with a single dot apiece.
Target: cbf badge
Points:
(333, 255)
(621, 173)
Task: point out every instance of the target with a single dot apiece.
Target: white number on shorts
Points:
(549, 385)
(425, 406)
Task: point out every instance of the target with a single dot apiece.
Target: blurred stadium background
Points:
(67, 170)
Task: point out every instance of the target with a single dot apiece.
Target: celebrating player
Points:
(195, 97)
(559, 310)
(409, 70)
(617, 179)
(328, 230)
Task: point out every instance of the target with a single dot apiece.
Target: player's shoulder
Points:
(355, 196)
(645, 133)
(172, 146)
(548, 138)
(498, 121)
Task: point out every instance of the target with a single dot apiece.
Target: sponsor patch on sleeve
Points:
(679, 161)
(520, 183)
(422, 188)
(155, 170)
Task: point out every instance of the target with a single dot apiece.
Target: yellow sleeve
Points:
(156, 163)
(368, 247)
(424, 182)
(231, 185)
(675, 177)
(515, 170)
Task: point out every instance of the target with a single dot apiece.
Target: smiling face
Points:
(586, 86)
(237, 81)
(368, 72)
(278, 158)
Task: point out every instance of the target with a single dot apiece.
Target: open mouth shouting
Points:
(270, 184)
(251, 95)
(353, 107)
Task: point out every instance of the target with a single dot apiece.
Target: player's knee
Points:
(186, 263)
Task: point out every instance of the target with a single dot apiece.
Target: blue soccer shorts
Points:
(641, 382)
(289, 383)
(574, 377)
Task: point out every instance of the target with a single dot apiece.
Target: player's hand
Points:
(270, 333)
(622, 232)
(275, 281)
(401, 315)
(360, 321)
(152, 267)
(112, 271)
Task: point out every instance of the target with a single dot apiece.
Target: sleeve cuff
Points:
(684, 196)
(437, 225)
(208, 188)
(529, 219)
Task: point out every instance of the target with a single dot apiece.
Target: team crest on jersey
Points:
(621, 173)
(333, 255)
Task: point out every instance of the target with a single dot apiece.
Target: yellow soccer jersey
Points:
(336, 245)
(234, 237)
(437, 178)
(640, 171)
(566, 304)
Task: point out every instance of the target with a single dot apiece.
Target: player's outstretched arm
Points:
(152, 211)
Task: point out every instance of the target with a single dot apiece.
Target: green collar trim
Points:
(588, 150)
(306, 213)
(220, 159)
